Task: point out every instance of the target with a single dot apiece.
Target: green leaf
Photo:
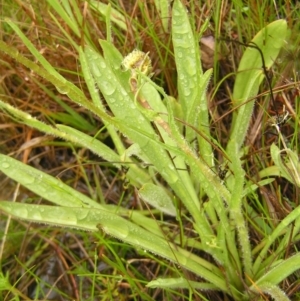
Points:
(157, 197)
(192, 83)
(270, 40)
(250, 74)
(180, 283)
(38, 56)
(187, 57)
(86, 141)
(273, 290)
(115, 17)
(281, 271)
(64, 132)
(289, 169)
(116, 226)
(44, 185)
(66, 13)
(276, 233)
(163, 8)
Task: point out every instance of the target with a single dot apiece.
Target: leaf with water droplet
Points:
(157, 197)
(250, 76)
(192, 83)
(114, 225)
(44, 185)
(180, 283)
(63, 89)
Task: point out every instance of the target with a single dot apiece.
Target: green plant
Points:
(144, 113)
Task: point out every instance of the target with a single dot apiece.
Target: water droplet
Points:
(123, 91)
(171, 176)
(176, 12)
(102, 65)
(38, 179)
(21, 212)
(28, 179)
(96, 71)
(82, 214)
(5, 165)
(187, 92)
(190, 66)
(107, 88)
(63, 89)
(37, 215)
(192, 85)
(132, 105)
(171, 166)
(180, 42)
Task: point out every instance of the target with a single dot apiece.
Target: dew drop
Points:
(123, 92)
(102, 65)
(107, 88)
(171, 167)
(171, 176)
(37, 216)
(132, 106)
(63, 89)
(96, 71)
(5, 165)
(38, 179)
(187, 92)
(180, 41)
(176, 12)
(21, 212)
(82, 214)
(28, 179)
(190, 67)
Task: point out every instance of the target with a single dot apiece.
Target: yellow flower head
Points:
(137, 60)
